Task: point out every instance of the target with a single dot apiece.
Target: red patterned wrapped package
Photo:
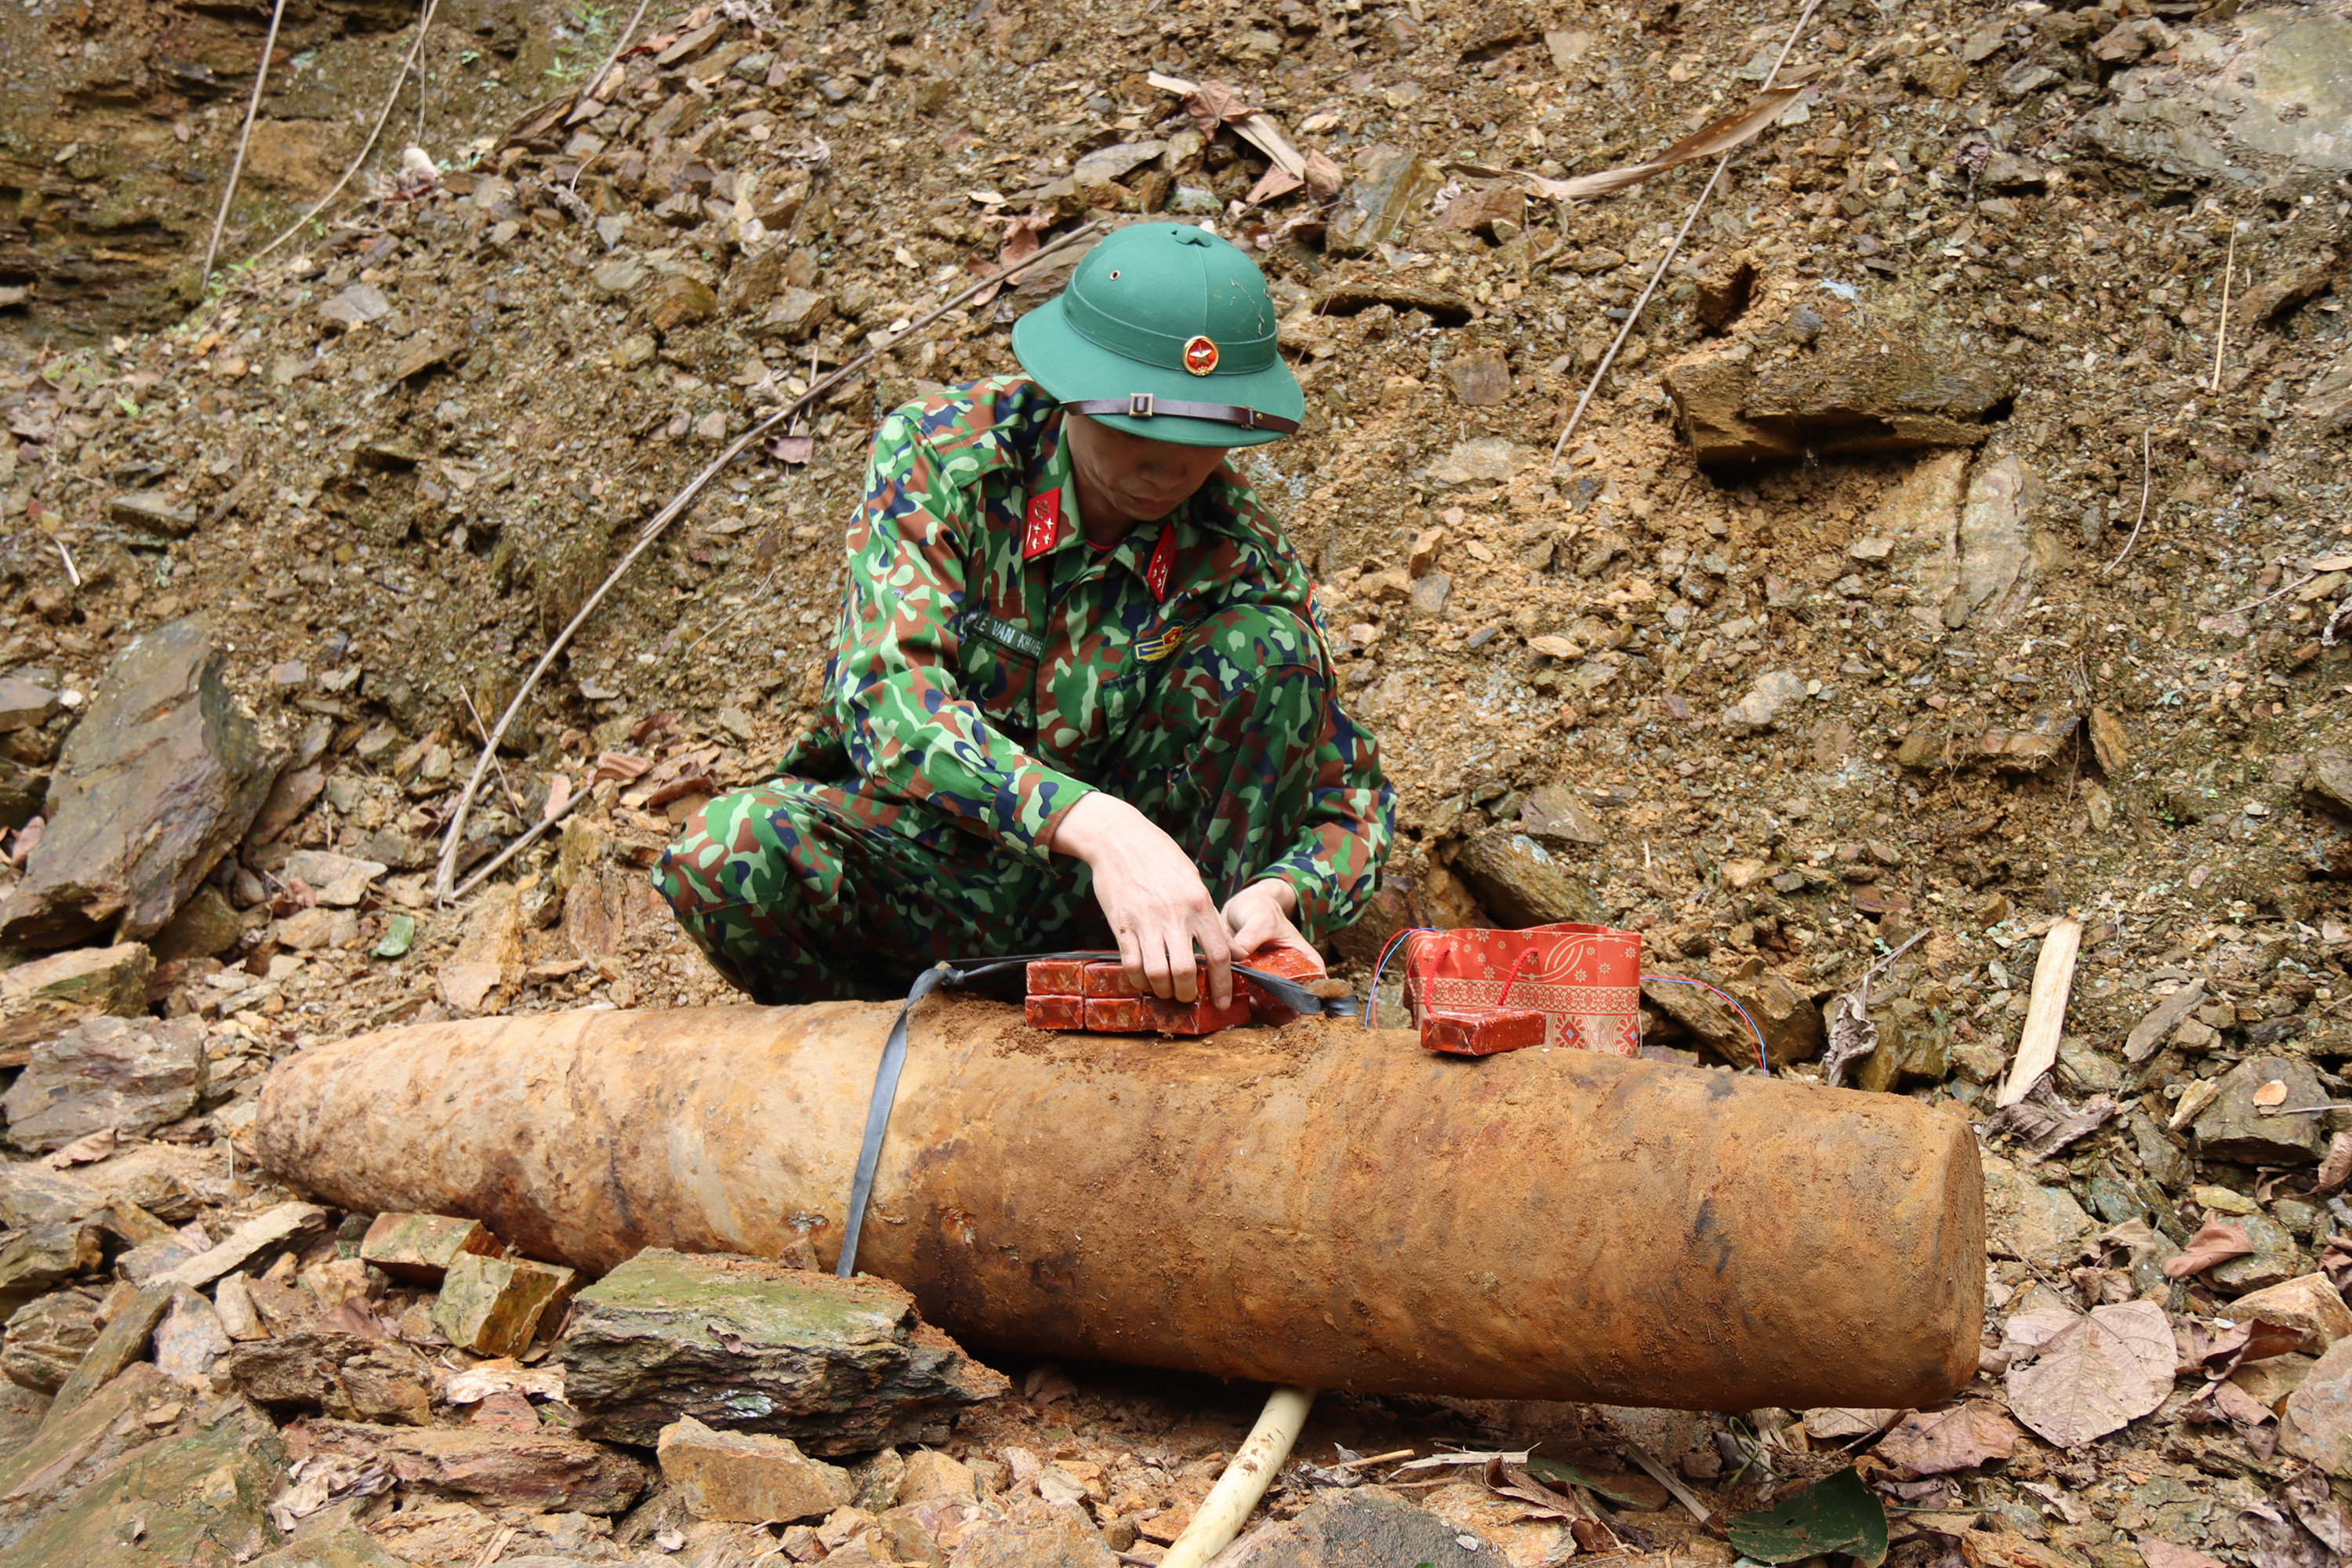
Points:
(1585, 980)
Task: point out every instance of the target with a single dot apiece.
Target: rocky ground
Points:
(1958, 545)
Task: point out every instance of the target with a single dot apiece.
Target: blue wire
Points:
(1703, 985)
(1372, 991)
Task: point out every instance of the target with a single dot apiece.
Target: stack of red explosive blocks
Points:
(1095, 995)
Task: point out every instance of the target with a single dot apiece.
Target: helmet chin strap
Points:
(1144, 406)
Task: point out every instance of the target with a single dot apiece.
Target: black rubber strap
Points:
(954, 971)
(1144, 406)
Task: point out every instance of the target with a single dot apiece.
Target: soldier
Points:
(1078, 697)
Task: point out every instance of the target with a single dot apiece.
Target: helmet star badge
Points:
(1199, 356)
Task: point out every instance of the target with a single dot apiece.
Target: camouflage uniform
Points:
(992, 667)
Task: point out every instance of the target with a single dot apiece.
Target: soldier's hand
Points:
(1260, 913)
(1152, 894)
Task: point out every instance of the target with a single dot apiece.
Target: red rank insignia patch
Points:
(1163, 556)
(1045, 525)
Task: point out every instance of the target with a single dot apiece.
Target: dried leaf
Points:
(2097, 1374)
(83, 1150)
(2308, 1496)
(559, 795)
(2160, 1554)
(2272, 1093)
(2334, 1170)
(1837, 1423)
(2213, 1243)
(2046, 1124)
(1940, 1442)
(1852, 1036)
(619, 765)
(1721, 136)
(1842, 1514)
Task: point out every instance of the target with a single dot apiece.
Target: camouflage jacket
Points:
(987, 654)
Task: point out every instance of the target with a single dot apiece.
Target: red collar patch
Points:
(1045, 525)
(1163, 556)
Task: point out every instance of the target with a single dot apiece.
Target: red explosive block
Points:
(1108, 978)
(1149, 1015)
(1480, 1034)
(1057, 977)
(1055, 1012)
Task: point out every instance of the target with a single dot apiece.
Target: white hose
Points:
(1219, 1518)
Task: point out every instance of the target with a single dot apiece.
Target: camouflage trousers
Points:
(806, 889)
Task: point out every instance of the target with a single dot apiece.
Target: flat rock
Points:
(270, 1228)
(794, 315)
(133, 1075)
(159, 780)
(2309, 1303)
(747, 1476)
(340, 880)
(47, 1339)
(199, 1500)
(1038, 1535)
(1553, 816)
(417, 1248)
(30, 1195)
(346, 1546)
(40, 999)
(189, 1340)
(1766, 702)
(1522, 883)
(492, 1306)
(2327, 781)
(2042, 1224)
(1792, 1024)
(1999, 556)
(153, 511)
(122, 1344)
(1381, 208)
(679, 300)
(1362, 1524)
(543, 1470)
(23, 705)
(930, 1475)
(22, 1411)
(2233, 1128)
(347, 1376)
(2318, 1424)
(356, 306)
(76, 1441)
(841, 1366)
(1489, 460)
(1854, 392)
(206, 926)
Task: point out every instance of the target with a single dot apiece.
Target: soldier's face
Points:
(1144, 480)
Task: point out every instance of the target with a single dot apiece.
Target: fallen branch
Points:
(2222, 328)
(243, 140)
(1673, 250)
(659, 524)
(2146, 472)
(1723, 136)
(531, 836)
(399, 77)
(588, 88)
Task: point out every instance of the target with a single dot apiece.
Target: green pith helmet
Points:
(1166, 333)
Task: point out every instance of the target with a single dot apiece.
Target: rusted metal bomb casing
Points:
(1319, 1205)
